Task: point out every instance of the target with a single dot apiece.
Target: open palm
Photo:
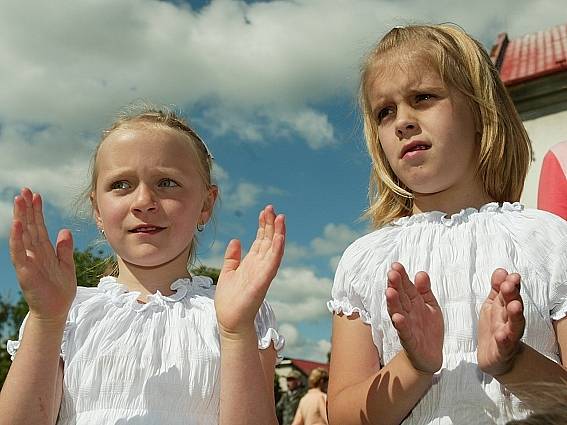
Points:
(46, 274)
(501, 324)
(417, 317)
(243, 284)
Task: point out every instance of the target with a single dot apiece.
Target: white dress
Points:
(460, 253)
(154, 363)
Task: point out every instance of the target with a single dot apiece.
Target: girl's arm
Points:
(32, 391)
(501, 353)
(362, 393)
(247, 395)
(247, 381)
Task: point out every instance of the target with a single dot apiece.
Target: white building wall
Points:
(544, 132)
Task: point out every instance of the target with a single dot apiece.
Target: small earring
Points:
(101, 230)
(200, 227)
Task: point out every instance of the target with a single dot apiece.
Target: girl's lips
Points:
(147, 229)
(414, 148)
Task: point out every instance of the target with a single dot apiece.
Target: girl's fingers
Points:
(393, 301)
(21, 217)
(279, 225)
(270, 217)
(30, 215)
(255, 248)
(498, 276)
(43, 236)
(16, 244)
(231, 256)
(423, 286)
(64, 247)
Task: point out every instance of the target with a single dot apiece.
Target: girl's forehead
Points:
(402, 77)
(151, 144)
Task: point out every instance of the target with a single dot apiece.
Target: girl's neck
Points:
(148, 280)
(450, 202)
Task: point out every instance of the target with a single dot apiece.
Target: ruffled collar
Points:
(463, 216)
(122, 297)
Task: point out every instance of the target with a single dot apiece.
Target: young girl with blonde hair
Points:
(431, 324)
(153, 345)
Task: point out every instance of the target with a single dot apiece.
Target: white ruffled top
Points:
(153, 363)
(460, 253)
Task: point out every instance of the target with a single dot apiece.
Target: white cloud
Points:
(243, 196)
(299, 347)
(5, 218)
(336, 237)
(258, 70)
(297, 294)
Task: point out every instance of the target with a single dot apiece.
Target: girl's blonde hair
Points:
(462, 63)
(162, 117)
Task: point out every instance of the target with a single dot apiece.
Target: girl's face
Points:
(427, 131)
(149, 195)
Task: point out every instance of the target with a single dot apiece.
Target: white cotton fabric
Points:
(153, 363)
(460, 253)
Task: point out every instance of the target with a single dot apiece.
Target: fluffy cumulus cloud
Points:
(300, 347)
(335, 238)
(298, 294)
(257, 70)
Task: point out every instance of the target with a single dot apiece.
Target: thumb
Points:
(231, 256)
(64, 247)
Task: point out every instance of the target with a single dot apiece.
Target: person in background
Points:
(552, 191)
(289, 401)
(312, 409)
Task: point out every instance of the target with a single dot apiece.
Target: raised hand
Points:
(417, 317)
(501, 324)
(243, 284)
(46, 274)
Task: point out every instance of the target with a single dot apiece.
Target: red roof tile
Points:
(532, 55)
(307, 366)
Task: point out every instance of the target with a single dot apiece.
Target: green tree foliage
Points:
(203, 270)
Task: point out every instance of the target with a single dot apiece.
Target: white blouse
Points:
(460, 253)
(153, 363)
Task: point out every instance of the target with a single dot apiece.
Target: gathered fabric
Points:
(460, 253)
(158, 362)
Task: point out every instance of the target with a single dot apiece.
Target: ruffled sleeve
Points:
(82, 294)
(345, 298)
(558, 287)
(267, 330)
(12, 346)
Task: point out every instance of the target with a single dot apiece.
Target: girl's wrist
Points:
(245, 334)
(506, 366)
(49, 323)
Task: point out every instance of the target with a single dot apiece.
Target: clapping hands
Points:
(46, 273)
(243, 284)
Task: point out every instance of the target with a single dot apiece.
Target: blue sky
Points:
(270, 85)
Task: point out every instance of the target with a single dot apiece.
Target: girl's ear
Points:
(208, 205)
(96, 213)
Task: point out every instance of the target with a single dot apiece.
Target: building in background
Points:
(304, 367)
(534, 69)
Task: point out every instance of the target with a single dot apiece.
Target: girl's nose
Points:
(144, 200)
(406, 125)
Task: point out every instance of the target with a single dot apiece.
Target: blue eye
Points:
(120, 185)
(167, 183)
